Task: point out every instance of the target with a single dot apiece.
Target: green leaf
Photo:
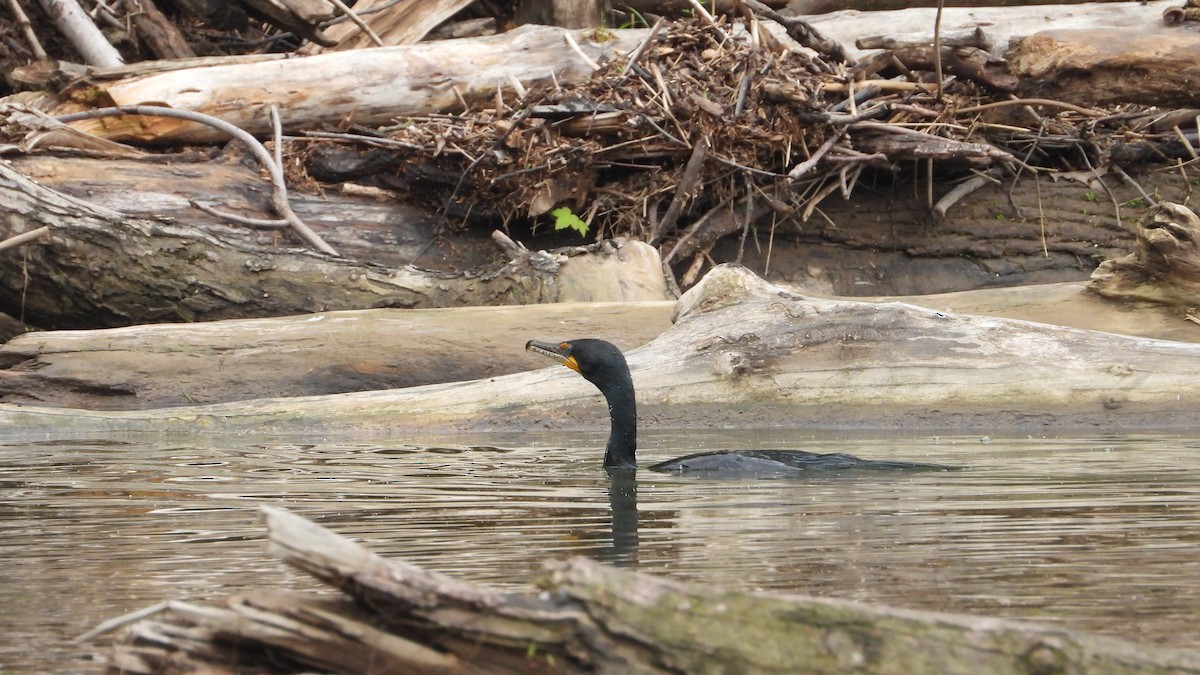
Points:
(563, 218)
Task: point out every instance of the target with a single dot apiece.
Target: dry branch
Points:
(77, 26)
(274, 169)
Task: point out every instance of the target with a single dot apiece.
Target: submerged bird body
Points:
(602, 364)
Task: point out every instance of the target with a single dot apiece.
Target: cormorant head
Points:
(598, 361)
(602, 364)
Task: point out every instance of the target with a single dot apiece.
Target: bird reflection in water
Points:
(622, 502)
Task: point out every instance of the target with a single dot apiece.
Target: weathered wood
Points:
(1166, 265)
(400, 23)
(886, 242)
(367, 225)
(301, 17)
(743, 353)
(1000, 27)
(85, 37)
(116, 270)
(589, 618)
(366, 86)
(1153, 65)
(196, 363)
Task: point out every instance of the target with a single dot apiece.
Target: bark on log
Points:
(116, 270)
(1166, 265)
(744, 353)
(588, 618)
(370, 87)
(364, 224)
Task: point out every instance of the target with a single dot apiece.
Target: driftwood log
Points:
(160, 365)
(1166, 265)
(745, 353)
(100, 267)
(587, 618)
(367, 86)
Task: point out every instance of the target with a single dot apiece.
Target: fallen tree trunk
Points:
(588, 618)
(210, 362)
(163, 365)
(370, 87)
(101, 267)
(1033, 231)
(744, 353)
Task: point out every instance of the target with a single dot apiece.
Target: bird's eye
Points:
(564, 346)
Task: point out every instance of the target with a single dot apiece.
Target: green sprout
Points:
(564, 218)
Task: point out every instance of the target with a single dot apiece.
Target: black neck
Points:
(621, 451)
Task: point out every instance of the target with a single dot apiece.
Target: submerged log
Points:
(101, 267)
(745, 353)
(1166, 265)
(588, 618)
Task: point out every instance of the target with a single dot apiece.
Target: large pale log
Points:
(369, 86)
(745, 353)
(161, 365)
(588, 617)
(195, 363)
(102, 267)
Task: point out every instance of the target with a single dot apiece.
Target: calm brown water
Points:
(1098, 533)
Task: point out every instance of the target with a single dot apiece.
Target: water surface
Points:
(1099, 533)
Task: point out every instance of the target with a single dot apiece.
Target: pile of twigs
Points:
(711, 125)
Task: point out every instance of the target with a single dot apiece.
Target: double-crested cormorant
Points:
(602, 364)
